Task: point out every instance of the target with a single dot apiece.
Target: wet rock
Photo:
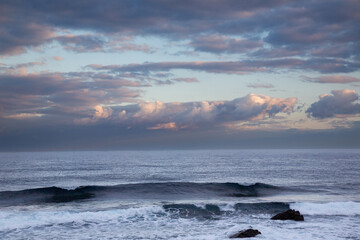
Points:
(248, 233)
(289, 215)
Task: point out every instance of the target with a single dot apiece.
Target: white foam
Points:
(153, 222)
(227, 207)
(329, 208)
(21, 219)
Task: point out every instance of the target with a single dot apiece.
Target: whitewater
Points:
(207, 194)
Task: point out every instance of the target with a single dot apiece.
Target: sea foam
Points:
(329, 208)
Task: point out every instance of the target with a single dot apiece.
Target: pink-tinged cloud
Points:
(22, 35)
(58, 58)
(19, 69)
(100, 113)
(167, 126)
(159, 115)
(339, 103)
(24, 115)
(260, 85)
(338, 79)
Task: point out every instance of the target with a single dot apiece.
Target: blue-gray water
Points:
(179, 194)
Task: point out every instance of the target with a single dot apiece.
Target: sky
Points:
(108, 75)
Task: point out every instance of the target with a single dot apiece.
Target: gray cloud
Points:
(64, 94)
(215, 67)
(221, 44)
(159, 81)
(82, 43)
(102, 43)
(234, 67)
(318, 31)
(32, 137)
(17, 35)
(26, 94)
(339, 79)
(341, 102)
(260, 85)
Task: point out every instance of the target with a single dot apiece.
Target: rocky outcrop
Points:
(289, 215)
(248, 233)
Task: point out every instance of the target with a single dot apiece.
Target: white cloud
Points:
(102, 112)
(160, 115)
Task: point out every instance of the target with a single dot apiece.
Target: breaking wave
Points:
(328, 208)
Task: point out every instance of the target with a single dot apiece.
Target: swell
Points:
(161, 191)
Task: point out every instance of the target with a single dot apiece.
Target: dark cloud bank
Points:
(114, 138)
(321, 31)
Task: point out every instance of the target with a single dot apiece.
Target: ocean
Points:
(202, 194)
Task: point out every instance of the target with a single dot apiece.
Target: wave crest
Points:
(162, 191)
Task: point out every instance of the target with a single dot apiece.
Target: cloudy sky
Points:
(77, 75)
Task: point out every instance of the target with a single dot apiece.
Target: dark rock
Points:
(289, 215)
(248, 233)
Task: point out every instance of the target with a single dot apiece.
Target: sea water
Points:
(207, 194)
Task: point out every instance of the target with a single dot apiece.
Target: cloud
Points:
(129, 16)
(70, 94)
(340, 103)
(214, 67)
(325, 33)
(233, 67)
(338, 79)
(100, 113)
(188, 80)
(260, 85)
(160, 115)
(83, 108)
(25, 29)
(168, 126)
(24, 115)
(18, 69)
(159, 81)
(81, 43)
(45, 137)
(58, 58)
(67, 95)
(164, 80)
(221, 44)
(17, 35)
(99, 43)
